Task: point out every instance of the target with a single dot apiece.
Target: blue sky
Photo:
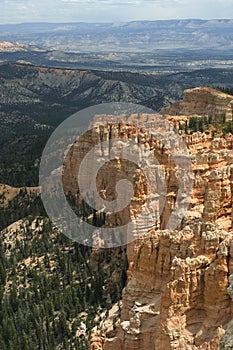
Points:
(16, 11)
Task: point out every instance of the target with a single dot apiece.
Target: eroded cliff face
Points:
(226, 341)
(157, 163)
(176, 295)
(203, 101)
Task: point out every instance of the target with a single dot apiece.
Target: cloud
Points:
(124, 2)
(13, 11)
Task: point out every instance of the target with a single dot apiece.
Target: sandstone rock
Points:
(226, 341)
(176, 296)
(179, 281)
(97, 341)
(203, 101)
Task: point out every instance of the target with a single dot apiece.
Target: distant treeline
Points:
(226, 90)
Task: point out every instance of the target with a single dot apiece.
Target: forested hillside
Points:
(34, 100)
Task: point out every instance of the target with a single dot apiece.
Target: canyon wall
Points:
(203, 101)
(176, 296)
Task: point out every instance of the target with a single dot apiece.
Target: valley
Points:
(41, 98)
(168, 288)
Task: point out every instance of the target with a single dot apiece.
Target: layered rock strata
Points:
(203, 101)
(176, 295)
(226, 341)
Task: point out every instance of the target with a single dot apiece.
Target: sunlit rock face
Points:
(226, 341)
(143, 160)
(203, 101)
(176, 295)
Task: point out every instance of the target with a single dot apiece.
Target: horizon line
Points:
(119, 22)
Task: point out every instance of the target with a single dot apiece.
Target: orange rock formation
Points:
(176, 295)
(203, 101)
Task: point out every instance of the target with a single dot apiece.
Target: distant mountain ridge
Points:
(135, 36)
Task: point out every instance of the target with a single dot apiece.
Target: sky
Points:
(18, 11)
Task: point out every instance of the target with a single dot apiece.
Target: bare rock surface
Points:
(176, 295)
(203, 101)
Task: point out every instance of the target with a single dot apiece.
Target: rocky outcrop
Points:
(9, 193)
(6, 46)
(97, 341)
(154, 155)
(203, 101)
(226, 341)
(176, 295)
